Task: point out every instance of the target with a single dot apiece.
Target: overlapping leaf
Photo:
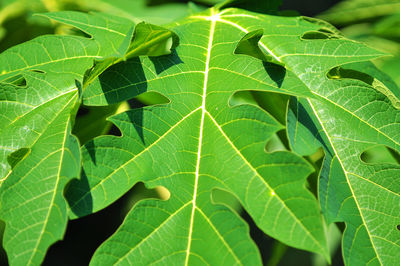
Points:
(198, 142)
(38, 155)
(352, 113)
(35, 125)
(349, 112)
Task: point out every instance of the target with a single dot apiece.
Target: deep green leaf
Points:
(17, 156)
(94, 123)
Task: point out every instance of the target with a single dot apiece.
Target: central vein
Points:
(213, 20)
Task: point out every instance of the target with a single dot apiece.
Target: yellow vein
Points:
(220, 236)
(89, 25)
(152, 233)
(264, 182)
(54, 191)
(135, 157)
(213, 19)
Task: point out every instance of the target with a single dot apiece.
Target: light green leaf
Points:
(351, 116)
(197, 143)
(269, 6)
(38, 155)
(45, 158)
(138, 10)
(389, 27)
(68, 56)
(390, 68)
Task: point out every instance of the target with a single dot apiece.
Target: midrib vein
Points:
(213, 20)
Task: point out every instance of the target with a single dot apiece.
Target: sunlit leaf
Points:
(40, 91)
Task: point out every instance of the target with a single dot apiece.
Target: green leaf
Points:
(71, 54)
(67, 56)
(46, 157)
(249, 45)
(388, 27)
(370, 74)
(197, 143)
(352, 11)
(138, 10)
(146, 39)
(351, 116)
(35, 123)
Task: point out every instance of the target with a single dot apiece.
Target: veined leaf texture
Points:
(200, 140)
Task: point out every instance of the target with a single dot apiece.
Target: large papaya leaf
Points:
(198, 142)
(38, 155)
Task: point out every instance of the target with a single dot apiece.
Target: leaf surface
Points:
(197, 143)
(39, 95)
(45, 158)
(352, 116)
